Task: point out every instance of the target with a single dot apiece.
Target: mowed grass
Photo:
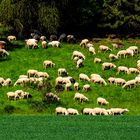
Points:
(70, 127)
(21, 59)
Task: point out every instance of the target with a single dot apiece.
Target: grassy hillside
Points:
(21, 59)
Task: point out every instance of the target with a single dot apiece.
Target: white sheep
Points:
(129, 52)
(42, 74)
(62, 72)
(80, 97)
(112, 57)
(99, 111)
(44, 44)
(67, 86)
(123, 69)
(72, 111)
(121, 53)
(118, 111)
(22, 81)
(119, 81)
(54, 44)
(104, 48)
(48, 63)
(107, 65)
(11, 38)
(134, 49)
(134, 70)
(78, 54)
(94, 75)
(3, 53)
(31, 73)
(88, 45)
(130, 84)
(88, 111)
(98, 80)
(83, 76)
(61, 110)
(31, 43)
(23, 76)
(86, 87)
(43, 38)
(79, 63)
(7, 82)
(1, 81)
(97, 60)
(102, 101)
(12, 95)
(111, 80)
(84, 42)
(76, 86)
(92, 50)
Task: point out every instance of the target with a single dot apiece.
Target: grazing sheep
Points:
(118, 111)
(68, 86)
(23, 76)
(97, 60)
(134, 49)
(78, 54)
(86, 87)
(98, 80)
(123, 69)
(76, 86)
(88, 45)
(84, 42)
(12, 95)
(104, 48)
(80, 97)
(22, 81)
(107, 65)
(48, 63)
(117, 45)
(7, 82)
(130, 84)
(61, 110)
(11, 38)
(54, 44)
(111, 80)
(129, 52)
(92, 50)
(102, 101)
(79, 63)
(42, 74)
(31, 73)
(44, 44)
(113, 57)
(72, 111)
(62, 80)
(134, 70)
(20, 93)
(3, 53)
(43, 38)
(88, 111)
(1, 81)
(94, 75)
(119, 81)
(62, 72)
(31, 43)
(51, 97)
(121, 53)
(83, 76)
(71, 39)
(99, 111)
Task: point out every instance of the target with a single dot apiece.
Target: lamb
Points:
(44, 44)
(54, 44)
(76, 86)
(31, 73)
(118, 111)
(79, 63)
(31, 43)
(72, 111)
(134, 70)
(107, 65)
(119, 81)
(113, 57)
(97, 60)
(92, 50)
(62, 72)
(78, 54)
(7, 82)
(102, 101)
(11, 38)
(61, 110)
(130, 84)
(3, 53)
(123, 69)
(12, 95)
(83, 76)
(86, 87)
(84, 42)
(80, 97)
(104, 48)
(48, 63)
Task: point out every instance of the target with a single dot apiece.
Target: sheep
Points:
(83, 76)
(76, 86)
(72, 80)
(7, 82)
(23, 76)
(42, 74)
(130, 84)
(3, 53)
(80, 97)
(22, 81)
(11, 38)
(43, 44)
(98, 80)
(12, 95)
(26, 95)
(43, 38)
(92, 50)
(31, 43)
(119, 81)
(2, 45)
(111, 80)
(72, 111)
(134, 49)
(121, 53)
(137, 79)
(97, 60)
(84, 42)
(134, 70)
(75, 59)
(61, 110)
(123, 69)
(118, 111)
(112, 57)
(94, 75)
(86, 87)
(107, 65)
(99, 111)
(51, 97)
(54, 44)
(138, 66)
(88, 45)
(1, 81)
(71, 39)
(31, 73)
(62, 80)
(104, 48)
(53, 37)
(129, 52)
(68, 86)
(20, 93)
(78, 54)
(102, 101)
(62, 72)
(48, 63)
(79, 63)
(88, 111)
(117, 45)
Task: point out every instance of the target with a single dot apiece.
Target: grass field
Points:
(21, 59)
(70, 127)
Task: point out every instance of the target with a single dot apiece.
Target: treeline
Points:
(80, 17)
